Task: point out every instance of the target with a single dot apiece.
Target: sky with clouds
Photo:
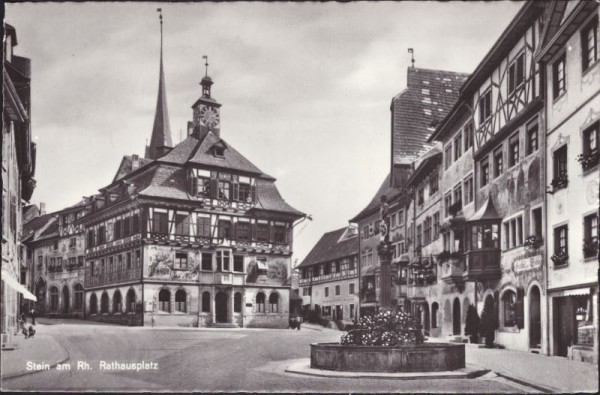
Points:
(305, 87)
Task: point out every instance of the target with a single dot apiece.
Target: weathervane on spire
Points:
(205, 57)
(159, 10)
(412, 56)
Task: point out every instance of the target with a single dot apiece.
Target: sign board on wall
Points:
(527, 264)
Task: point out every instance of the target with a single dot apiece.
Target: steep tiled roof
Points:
(329, 248)
(50, 231)
(182, 152)
(35, 225)
(270, 199)
(230, 160)
(166, 182)
(126, 166)
(384, 189)
(416, 111)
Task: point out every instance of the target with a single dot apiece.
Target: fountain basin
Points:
(426, 357)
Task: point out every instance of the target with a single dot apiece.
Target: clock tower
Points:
(206, 112)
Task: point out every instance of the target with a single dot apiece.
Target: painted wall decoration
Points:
(161, 264)
(269, 270)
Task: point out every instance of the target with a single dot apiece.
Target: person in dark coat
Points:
(32, 312)
(31, 331)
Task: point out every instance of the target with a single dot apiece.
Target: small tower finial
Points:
(412, 57)
(159, 10)
(205, 57)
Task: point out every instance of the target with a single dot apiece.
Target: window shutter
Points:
(520, 310)
(253, 192)
(496, 308)
(214, 188)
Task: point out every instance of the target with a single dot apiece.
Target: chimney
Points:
(135, 162)
(42, 208)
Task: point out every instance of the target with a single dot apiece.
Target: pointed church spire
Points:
(161, 131)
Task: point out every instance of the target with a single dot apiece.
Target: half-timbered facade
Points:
(569, 56)
(197, 236)
(505, 236)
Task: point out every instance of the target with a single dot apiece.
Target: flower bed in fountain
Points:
(387, 342)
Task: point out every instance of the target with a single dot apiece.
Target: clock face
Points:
(209, 116)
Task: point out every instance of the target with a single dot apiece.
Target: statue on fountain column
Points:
(385, 256)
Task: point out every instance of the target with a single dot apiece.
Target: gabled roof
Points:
(37, 224)
(329, 248)
(426, 163)
(384, 189)
(50, 231)
(165, 181)
(126, 166)
(231, 159)
(418, 109)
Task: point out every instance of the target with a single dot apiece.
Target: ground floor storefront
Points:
(574, 322)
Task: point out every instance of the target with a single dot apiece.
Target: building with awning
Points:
(10, 281)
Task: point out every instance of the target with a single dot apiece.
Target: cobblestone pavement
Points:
(209, 360)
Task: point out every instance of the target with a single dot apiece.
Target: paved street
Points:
(212, 360)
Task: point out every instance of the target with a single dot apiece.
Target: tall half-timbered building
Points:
(191, 235)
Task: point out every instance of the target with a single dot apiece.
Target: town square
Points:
(349, 197)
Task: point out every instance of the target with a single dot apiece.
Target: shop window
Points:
(532, 138)
(485, 172)
(558, 77)
(274, 302)
(237, 302)
(509, 308)
(585, 321)
(181, 301)
(457, 146)
(238, 263)
(181, 260)
(513, 150)
(164, 300)
(589, 44)
(516, 73)
(498, 168)
(206, 302)
(260, 302)
(485, 106)
(590, 234)
(448, 156)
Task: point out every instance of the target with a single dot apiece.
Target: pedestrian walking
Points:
(32, 312)
(299, 323)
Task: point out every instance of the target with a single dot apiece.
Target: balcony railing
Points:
(482, 265)
(111, 278)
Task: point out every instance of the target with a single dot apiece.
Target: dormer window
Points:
(219, 151)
